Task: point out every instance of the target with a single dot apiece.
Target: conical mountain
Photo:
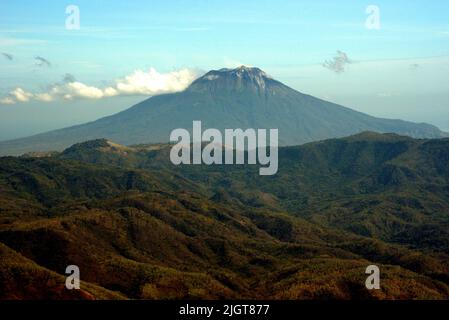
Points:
(227, 98)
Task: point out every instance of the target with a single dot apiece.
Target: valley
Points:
(140, 227)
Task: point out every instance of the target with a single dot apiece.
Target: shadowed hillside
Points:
(139, 227)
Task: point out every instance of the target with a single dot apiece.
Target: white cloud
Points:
(45, 97)
(153, 82)
(7, 100)
(80, 90)
(138, 83)
(21, 95)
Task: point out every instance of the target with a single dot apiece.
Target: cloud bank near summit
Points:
(139, 82)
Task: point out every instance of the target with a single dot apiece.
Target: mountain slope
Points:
(227, 98)
(140, 227)
(389, 187)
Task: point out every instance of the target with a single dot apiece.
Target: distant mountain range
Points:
(227, 98)
(141, 228)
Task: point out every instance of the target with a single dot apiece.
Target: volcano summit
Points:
(227, 98)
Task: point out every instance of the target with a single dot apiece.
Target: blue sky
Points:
(398, 71)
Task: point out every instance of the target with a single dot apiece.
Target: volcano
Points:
(227, 98)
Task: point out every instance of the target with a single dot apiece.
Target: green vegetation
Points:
(140, 228)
